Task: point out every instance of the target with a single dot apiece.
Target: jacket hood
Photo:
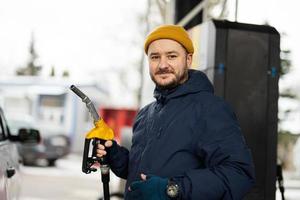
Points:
(197, 82)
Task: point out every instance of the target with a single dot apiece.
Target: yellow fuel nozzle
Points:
(100, 131)
(97, 135)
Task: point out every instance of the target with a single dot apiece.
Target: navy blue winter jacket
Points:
(190, 135)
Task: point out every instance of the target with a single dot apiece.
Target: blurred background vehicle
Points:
(45, 153)
(10, 159)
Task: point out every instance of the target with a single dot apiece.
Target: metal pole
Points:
(141, 65)
(192, 13)
(105, 183)
(236, 9)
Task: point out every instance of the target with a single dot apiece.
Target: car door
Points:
(9, 164)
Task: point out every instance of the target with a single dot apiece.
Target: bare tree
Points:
(31, 69)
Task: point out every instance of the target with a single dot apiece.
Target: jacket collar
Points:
(197, 82)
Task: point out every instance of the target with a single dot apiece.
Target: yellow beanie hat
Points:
(173, 32)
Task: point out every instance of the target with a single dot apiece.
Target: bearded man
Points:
(187, 144)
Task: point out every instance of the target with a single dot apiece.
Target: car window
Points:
(15, 125)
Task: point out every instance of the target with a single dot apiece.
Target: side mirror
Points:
(29, 135)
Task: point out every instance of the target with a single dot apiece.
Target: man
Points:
(187, 144)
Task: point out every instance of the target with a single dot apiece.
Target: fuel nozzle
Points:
(98, 135)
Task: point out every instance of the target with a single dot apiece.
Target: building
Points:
(54, 108)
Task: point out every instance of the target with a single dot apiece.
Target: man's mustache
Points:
(164, 71)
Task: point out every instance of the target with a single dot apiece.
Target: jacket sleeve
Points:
(118, 156)
(228, 171)
(118, 160)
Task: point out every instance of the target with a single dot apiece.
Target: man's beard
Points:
(179, 78)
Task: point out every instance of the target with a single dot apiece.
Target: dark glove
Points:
(111, 151)
(153, 188)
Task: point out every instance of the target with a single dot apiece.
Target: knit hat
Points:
(173, 32)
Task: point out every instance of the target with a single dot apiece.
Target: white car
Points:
(10, 159)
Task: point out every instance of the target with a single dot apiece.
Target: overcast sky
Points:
(78, 35)
(86, 35)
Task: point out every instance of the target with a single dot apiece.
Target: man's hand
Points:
(149, 188)
(101, 148)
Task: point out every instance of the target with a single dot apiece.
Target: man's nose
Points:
(163, 63)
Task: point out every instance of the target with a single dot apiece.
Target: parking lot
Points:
(65, 181)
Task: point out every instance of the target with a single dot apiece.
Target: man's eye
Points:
(172, 56)
(154, 57)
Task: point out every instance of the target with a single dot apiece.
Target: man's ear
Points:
(189, 59)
